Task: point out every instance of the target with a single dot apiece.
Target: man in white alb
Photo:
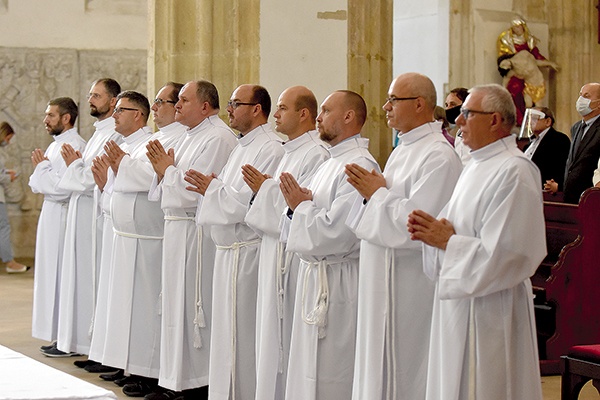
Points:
(49, 168)
(392, 344)
(223, 207)
(83, 234)
(295, 117)
(321, 361)
(188, 250)
(488, 241)
(136, 173)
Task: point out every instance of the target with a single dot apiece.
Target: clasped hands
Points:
(160, 159)
(37, 156)
(421, 225)
(68, 153)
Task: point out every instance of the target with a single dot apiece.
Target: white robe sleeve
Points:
(384, 218)
(265, 211)
(45, 180)
(507, 249)
(210, 160)
(134, 175)
(78, 177)
(223, 204)
(155, 192)
(264, 215)
(320, 232)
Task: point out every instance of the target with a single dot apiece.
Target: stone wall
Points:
(29, 78)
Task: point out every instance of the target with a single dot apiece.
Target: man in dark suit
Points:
(549, 148)
(585, 146)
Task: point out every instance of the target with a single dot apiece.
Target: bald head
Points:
(411, 103)
(593, 87)
(304, 98)
(296, 111)
(591, 92)
(343, 114)
(419, 85)
(353, 101)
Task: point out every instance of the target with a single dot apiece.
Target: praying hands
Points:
(292, 192)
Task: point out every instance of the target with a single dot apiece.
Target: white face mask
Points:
(583, 106)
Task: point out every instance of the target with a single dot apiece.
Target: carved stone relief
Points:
(29, 78)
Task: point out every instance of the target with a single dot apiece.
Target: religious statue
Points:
(519, 62)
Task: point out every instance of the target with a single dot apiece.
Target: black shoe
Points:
(200, 393)
(114, 376)
(56, 353)
(126, 379)
(141, 388)
(46, 348)
(164, 394)
(84, 363)
(99, 368)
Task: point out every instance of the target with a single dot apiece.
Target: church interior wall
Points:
(50, 49)
(54, 49)
(303, 43)
(421, 41)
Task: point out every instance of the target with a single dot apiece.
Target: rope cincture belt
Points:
(318, 315)
(283, 265)
(234, 272)
(390, 289)
(199, 320)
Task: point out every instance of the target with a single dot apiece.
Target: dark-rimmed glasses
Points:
(160, 102)
(392, 99)
(235, 104)
(465, 112)
(119, 110)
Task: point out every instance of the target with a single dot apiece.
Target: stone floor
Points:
(15, 333)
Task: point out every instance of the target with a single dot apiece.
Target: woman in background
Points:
(6, 177)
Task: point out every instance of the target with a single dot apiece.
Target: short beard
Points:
(98, 113)
(57, 130)
(326, 136)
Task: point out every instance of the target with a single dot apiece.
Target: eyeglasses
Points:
(119, 110)
(235, 104)
(465, 112)
(392, 99)
(160, 102)
(93, 95)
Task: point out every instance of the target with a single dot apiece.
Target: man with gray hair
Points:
(392, 346)
(481, 252)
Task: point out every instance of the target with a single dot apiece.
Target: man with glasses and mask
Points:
(81, 256)
(585, 146)
(392, 347)
(548, 148)
(188, 250)
(223, 207)
(488, 241)
(49, 168)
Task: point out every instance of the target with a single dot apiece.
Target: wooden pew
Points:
(566, 284)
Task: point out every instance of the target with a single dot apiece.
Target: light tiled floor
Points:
(15, 333)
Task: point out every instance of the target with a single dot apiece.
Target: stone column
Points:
(370, 67)
(203, 39)
(574, 46)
